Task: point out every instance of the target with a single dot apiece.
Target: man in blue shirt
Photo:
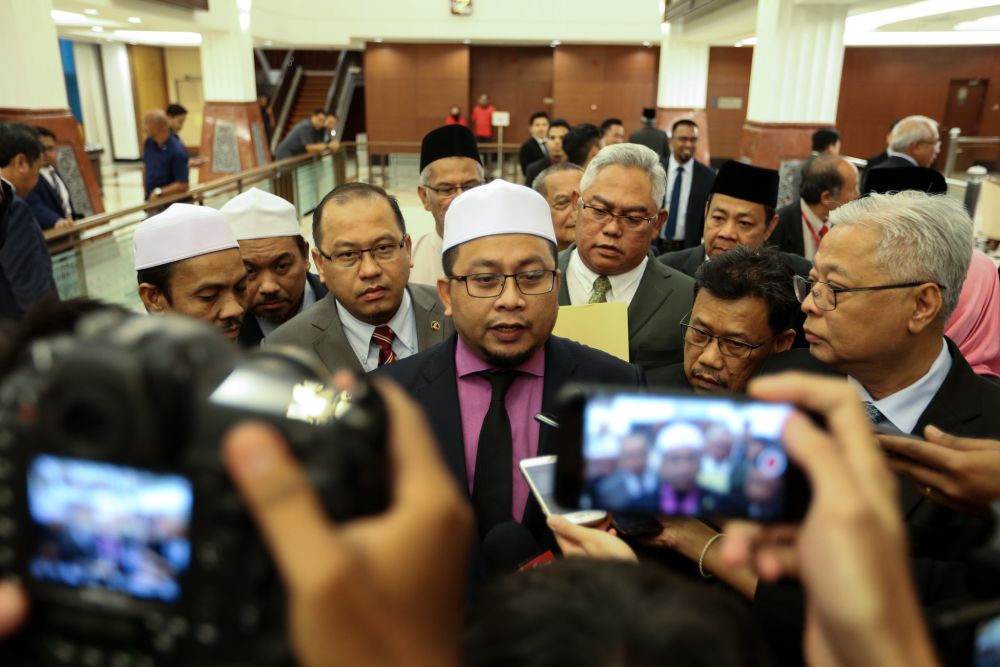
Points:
(164, 158)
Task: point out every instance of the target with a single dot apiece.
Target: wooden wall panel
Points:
(149, 82)
(409, 88)
(592, 83)
(517, 79)
(728, 76)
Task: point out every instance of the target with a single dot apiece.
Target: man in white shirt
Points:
(50, 199)
(450, 164)
(689, 185)
(276, 257)
(371, 317)
(828, 182)
(619, 216)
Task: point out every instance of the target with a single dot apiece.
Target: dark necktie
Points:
(675, 205)
(493, 484)
(875, 415)
(383, 337)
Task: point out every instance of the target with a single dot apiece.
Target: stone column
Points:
(682, 89)
(232, 133)
(33, 91)
(794, 80)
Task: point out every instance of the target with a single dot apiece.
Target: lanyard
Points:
(816, 237)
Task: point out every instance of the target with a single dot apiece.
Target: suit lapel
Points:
(563, 275)
(330, 342)
(654, 289)
(428, 315)
(438, 392)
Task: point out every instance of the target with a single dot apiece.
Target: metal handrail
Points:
(198, 193)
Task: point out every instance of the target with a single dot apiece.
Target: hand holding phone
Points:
(540, 475)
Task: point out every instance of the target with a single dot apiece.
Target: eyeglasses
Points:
(449, 190)
(825, 295)
(729, 347)
(603, 216)
(491, 285)
(383, 252)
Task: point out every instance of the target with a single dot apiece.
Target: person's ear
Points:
(927, 303)
(153, 298)
(318, 260)
(783, 341)
(444, 293)
(771, 226)
(422, 192)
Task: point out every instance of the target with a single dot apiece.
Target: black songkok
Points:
(747, 182)
(448, 141)
(904, 178)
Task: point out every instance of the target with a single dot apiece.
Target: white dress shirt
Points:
(580, 281)
(904, 407)
(359, 334)
(427, 259)
(56, 181)
(808, 240)
(542, 145)
(308, 299)
(687, 172)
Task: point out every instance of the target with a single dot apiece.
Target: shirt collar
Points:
(892, 153)
(904, 407)
(619, 284)
(467, 363)
(363, 331)
(810, 215)
(672, 165)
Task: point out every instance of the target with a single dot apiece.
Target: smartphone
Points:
(676, 454)
(540, 474)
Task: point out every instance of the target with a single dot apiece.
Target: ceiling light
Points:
(379, 40)
(97, 28)
(869, 21)
(466, 41)
(647, 44)
(92, 12)
(159, 37)
(134, 19)
(69, 18)
(555, 43)
(952, 38)
(984, 23)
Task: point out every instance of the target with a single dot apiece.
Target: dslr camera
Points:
(115, 509)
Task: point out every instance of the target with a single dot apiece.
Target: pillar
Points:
(33, 91)
(232, 133)
(794, 80)
(682, 89)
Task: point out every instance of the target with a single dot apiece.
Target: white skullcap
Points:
(497, 208)
(679, 436)
(181, 232)
(256, 214)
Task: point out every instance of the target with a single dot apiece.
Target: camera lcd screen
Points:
(684, 456)
(101, 525)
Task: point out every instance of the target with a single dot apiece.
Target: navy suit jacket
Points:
(430, 378)
(46, 204)
(250, 333)
(25, 264)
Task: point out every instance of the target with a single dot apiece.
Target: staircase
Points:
(312, 94)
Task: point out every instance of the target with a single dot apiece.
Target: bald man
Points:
(164, 158)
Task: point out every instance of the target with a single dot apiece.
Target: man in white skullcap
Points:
(680, 447)
(276, 257)
(188, 262)
(482, 388)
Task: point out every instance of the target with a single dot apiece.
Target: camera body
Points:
(116, 511)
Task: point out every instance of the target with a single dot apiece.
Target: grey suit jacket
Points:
(688, 260)
(663, 298)
(318, 329)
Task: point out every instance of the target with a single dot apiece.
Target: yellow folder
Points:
(603, 326)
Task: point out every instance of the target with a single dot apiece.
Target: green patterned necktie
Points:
(601, 287)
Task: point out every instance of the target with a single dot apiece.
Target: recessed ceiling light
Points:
(92, 12)
(647, 44)
(379, 40)
(134, 19)
(97, 28)
(555, 43)
(466, 41)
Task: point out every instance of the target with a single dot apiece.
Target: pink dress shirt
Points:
(523, 401)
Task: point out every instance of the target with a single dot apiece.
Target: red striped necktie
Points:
(383, 337)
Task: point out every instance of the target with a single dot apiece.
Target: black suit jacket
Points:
(940, 538)
(429, 377)
(688, 260)
(702, 178)
(250, 333)
(535, 168)
(788, 233)
(890, 162)
(25, 265)
(530, 152)
(668, 377)
(651, 137)
(46, 204)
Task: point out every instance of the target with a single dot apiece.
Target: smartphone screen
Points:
(677, 455)
(987, 652)
(109, 526)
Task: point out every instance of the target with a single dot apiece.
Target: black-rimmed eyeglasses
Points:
(491, 285)
(383, 252)
(603, 216)
(825, 295)
(729, 347)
